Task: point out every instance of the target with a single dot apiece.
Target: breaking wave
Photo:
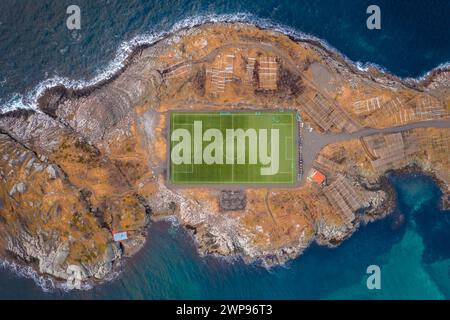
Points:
(48, 283)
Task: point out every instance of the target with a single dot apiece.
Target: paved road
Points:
(314, 141)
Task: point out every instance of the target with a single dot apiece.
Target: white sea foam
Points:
(172, 220)
(29, 101)
(364, 66)
(442, 66)
(45, 283)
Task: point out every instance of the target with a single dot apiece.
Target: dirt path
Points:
(315, 141)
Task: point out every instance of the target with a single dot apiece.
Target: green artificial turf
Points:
(227, 173)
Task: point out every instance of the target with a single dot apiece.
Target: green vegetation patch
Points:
(233, 148)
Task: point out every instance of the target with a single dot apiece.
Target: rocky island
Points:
(91, 163)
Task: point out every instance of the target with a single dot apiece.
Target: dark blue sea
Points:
(37, 50)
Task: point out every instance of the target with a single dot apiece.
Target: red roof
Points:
(318, 177)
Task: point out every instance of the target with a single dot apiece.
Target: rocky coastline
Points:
(91, 162)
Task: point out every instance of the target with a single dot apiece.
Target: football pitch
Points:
(233, 148)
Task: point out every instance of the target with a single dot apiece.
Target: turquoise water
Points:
(414, 259)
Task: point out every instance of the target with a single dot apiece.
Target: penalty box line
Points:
(287, 145)
(220, 115)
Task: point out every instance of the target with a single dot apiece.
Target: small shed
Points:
(120, 236)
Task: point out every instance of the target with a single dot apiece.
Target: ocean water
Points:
(414, 258)
(37, 50)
